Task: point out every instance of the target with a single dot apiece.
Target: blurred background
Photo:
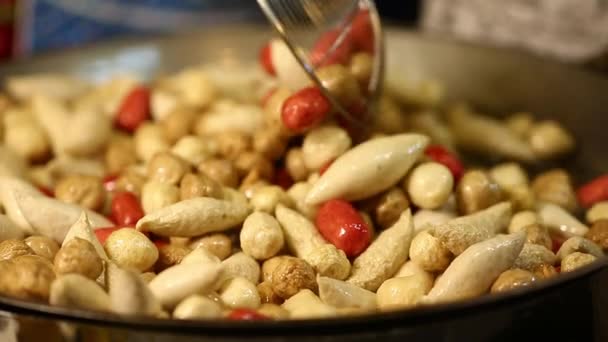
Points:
(571, 30)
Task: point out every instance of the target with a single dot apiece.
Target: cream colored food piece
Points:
(53, 218)
(25, 136)
(131, 249)
(192, 87)
(11, 164)
(241, 265)
(98, 128)
(239, 292)
(549, 139)
(10, 187)
(560, 221)
(298, 193)
(532, 256)
(460, 233)
(53, 116)
(598, 211)
(412, 268)
(57, 86)
(403, 292)
(368, 168)
(149, 140)
(273, 311)
(234, 196)
(473, 272)
(106, 97)
(305, 242)
(509, 175)
(429, 185)
(429, 123)
(62, 166)
(267, 197)
(520, 123)
(579, 244)
(305, 304)
(512, 279)
(389, 118)
(384, 256)
(226, 115)
(129, 293)
(82, 229)
(497, 138)
(425, 219)
(9, 230)
(576, 260)
(78, 292)
(288, 70)
(156, 195)
(197, 307)
(522, 219)
(200, 255)
(162, 103)
(261, 236)
(192, 217)
(324, 144)
(341, 294)
(180, 281)
(243, 82)
(194, 149)
(428, 252)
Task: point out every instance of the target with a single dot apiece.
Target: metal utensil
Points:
(301, 22)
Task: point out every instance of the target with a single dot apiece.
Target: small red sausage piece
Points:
(305, 109)
(134, 110)
(339, 223)
(126, 209)
(246, 315)
(266, 59)
(593, 192)
(325, 53)
(362, 32)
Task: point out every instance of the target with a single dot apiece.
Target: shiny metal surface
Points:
(297, 21)
(500, 81)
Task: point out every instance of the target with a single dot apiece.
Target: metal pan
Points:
(571, 307)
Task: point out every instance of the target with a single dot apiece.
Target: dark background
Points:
(402, 12)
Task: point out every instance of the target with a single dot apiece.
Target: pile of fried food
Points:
(218, 193)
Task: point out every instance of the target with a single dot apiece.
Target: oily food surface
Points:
(185, 198)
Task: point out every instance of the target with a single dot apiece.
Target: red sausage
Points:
(325, 53)
(304, 109)
(341, 224)
(593, 192)
(134, 110)
(362, 32)
(246, 315)
(126, 209)
(266, 59)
